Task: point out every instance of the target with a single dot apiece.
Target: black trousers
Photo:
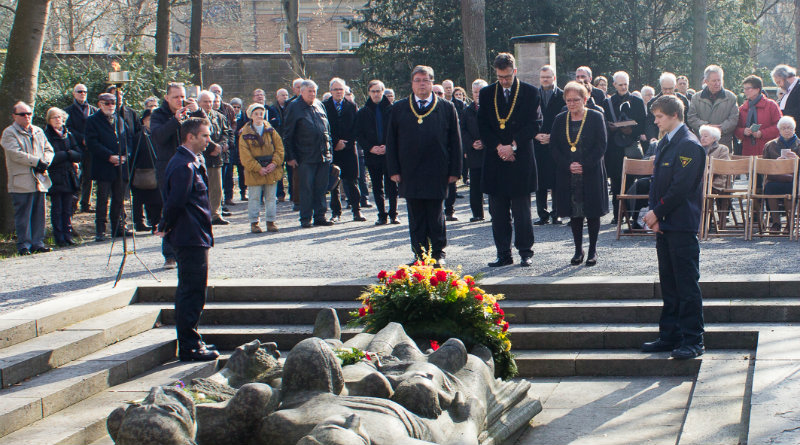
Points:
(679, 272)
(242, 185)
(476, 192)
(190, 296)
(382, 188)
(351, 192)
(450, 201)
(426, 226)
(146, 200)
(86, 182)
(541, 204)
(227, 180)
(114, 190)
(640, 186)
(503, 209)
(61, 215)
(613, 159)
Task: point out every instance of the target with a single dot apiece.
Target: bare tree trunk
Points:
(797, 32)
(473, 25)
(162, 34)
(20, 77)
(699, 42)
(195, 32)
(292, 10)
(635, 61)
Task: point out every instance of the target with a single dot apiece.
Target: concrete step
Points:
(604, 362)
(229, 337)
(40, 354)
(48, 393)
(269, 313)
(85, 422)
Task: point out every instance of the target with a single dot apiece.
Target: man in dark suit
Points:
(583, 74)
(552, 101)
(110, 151)
(277, 113)
(473, 148)
(621, 107)
(507, 119)
(79, 113)
(785, 77)
(423, 156)
(675, 201)
(668, 84)
(342, 118)
(186, 223)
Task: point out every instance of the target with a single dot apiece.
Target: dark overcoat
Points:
(503, 178)
(424, 155)
(469, 134)
(61, 170)
(343, 127)
(545, 163)
(76, 122)
(367, 129)
(591, 148)
(102, 142)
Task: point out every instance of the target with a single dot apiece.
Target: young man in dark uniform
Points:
(186, 223)
(507, 119)
(423, 156)
(675, 203)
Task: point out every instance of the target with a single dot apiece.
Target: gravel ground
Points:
(352, 249)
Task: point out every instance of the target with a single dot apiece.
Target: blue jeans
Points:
(313, 182)
(262, 196)
(29, 219)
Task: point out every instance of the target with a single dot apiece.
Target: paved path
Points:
(351, 250)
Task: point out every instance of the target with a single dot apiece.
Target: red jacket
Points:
(768, 115)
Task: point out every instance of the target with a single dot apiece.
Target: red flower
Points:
(382, 275)
(434, 281)
(369, 309)
(479, 297)
(418, 263)
(441, 275)
(505, 326)
(496, 307)
(500, 311)
(434, 345)
(454, 283)
(470, 282)
(400, 274)
(362, 311)
(418, 276)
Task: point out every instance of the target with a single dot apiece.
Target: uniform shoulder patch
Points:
(685, 160)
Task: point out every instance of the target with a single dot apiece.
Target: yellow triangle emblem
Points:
(685, 161)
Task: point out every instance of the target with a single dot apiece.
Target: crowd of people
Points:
(305, 150)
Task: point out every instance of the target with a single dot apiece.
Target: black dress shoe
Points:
(556, 221)
(526, 261)
(24, 251)
(635, 227)
(592, 260)
(440, 262)
(498, 262)
(540, 222)
(658, 346)
(142, 228)
(366, 205)
(305, 224)
(226, 213)
(381, 222)
(688, 351)
(99, 237)
(220, 222)
(614, 222)
(336, 218)
(395, 220)
(475, 219)
(203, 354)
(358, 217)
(451, 217)
(40, 249)
(577, 259)
(70, 242)
(324, 223)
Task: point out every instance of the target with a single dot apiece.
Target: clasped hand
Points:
(576, 168)
(506, 152)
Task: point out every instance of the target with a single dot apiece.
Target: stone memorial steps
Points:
(85, 422)
(42, 353)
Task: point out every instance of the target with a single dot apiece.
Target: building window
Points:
(349, 39)
(285, 40)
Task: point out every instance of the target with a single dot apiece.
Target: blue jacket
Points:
(102, 142)
(676, 188)
(187, 214)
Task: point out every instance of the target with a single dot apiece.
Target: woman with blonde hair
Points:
(261, 154)
(63, 174)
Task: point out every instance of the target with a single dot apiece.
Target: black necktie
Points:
(663, 143)
(422, 104)
(507, 93)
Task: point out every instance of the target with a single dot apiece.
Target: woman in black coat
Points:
(62, 172)
(581, 187)
(145, 197)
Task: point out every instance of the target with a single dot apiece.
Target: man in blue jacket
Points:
(186, 224)
(675, 201)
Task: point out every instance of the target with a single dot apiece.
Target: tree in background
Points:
(20, 79)
(292, 10)
(195, 35)
(162, 33)
(473, 25)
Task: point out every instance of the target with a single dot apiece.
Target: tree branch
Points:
(9, 8)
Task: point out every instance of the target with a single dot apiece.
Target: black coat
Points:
(343, 128)
(503, 178)
(61, 169)
(221, 136)
(634, 111)
(367, 129)
(102, 142)
(143, 154)
(651, 130)
(276, 116)
(591, 148)
(76, 122)
(598, 96)
(545, 163)
(165, 130)
(469, 134)
(424, 155)
(792, 106)
(307, 133)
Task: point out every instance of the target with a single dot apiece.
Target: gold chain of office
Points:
(423, 116)
(513, 103)
(573, 146)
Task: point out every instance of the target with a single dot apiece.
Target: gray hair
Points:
(668, 76)
(237, 101)
(281, 89)
(75, 88)
(205, 93)
(714, 132)
(388, 90)
(585, 69)
(713, 69)
(648, 89)
(548, 68)
(308, 83)
(480, 83)
(621, 74)
(446, 81)
(213, 86)
(783, 71)
(787, 120)
(20, 103)
(422, 69)
(337, 80)
(151, 99)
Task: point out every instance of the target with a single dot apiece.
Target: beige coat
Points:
(21, 158)
(723, 112)
(719, 151)
(252, 145)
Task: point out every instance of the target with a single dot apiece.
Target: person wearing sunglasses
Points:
(28, 154)
(77, 115)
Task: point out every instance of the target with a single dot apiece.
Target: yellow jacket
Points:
(251, 145)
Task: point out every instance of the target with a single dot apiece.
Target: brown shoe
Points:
(271, 227)
(254, 228)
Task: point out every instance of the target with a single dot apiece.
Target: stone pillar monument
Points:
(531, 53)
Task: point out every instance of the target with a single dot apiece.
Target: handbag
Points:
(145, 179)
(263, 160)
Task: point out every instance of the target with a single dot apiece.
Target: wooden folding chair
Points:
(633, 167)
(764, 168)
(712, 197)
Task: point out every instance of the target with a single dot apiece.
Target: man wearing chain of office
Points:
(507, 121)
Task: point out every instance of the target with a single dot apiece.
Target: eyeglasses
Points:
(81, 91)
(23, 114)
(107, 103)
(375, 91)
(422, 81)
(439, 93)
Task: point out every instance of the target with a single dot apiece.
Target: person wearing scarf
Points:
(760, 111)
(781, 184)
(63, 174)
